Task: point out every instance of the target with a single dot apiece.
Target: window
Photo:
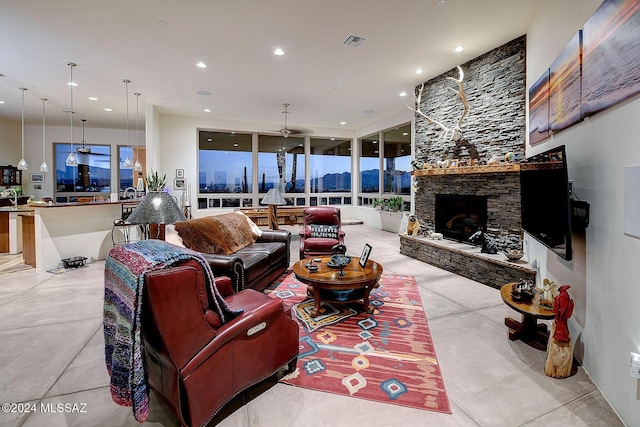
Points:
(225, 162)
(126, 175)
(330, 165)
(281, 164)
(370, 164)
(397, 160)
(92, 175)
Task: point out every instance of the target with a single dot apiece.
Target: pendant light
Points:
(22, 164)
(44, 167)
(71, 161)
(137, 166)
(128, 164)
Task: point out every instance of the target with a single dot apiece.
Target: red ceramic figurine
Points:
(563, 307)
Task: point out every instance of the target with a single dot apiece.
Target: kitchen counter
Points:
(65, 230)
(11, 228)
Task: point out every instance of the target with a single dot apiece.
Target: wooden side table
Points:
(528, 330)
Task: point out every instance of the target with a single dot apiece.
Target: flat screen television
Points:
(546, 210)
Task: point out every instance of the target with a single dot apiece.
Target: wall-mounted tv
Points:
(544, 189)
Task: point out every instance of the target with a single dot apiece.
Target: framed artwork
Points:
(565, 77)
(36, 177)
(539, 109)
(179, 184)
(610, 69)
(365, 255)
(179, 173)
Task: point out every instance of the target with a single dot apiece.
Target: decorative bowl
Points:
(339, 261)
(311, 266)
(514, 255)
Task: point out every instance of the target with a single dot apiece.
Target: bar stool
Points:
(121, 233)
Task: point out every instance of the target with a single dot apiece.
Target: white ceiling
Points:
(156, 44)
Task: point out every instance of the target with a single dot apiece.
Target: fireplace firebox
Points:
(457, 216)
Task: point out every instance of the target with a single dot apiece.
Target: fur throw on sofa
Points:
(220, 234)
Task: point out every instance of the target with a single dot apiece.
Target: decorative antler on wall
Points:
(448, 134)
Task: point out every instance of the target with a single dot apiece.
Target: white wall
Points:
(604, 273)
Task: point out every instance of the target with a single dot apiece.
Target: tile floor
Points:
(51, 351)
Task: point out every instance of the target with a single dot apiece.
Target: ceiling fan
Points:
(285, 131)
(83, 149)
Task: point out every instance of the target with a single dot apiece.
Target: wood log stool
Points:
(559, 361)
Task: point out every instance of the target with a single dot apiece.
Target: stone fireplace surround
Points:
(494, 86)
(502, 190)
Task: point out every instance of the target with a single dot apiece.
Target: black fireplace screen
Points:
(459, 216)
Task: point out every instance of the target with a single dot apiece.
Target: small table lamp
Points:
(273, 198)
(156, 207)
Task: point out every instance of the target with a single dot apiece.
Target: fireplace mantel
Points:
(466, 170)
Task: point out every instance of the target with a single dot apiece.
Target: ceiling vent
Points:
(354, 41)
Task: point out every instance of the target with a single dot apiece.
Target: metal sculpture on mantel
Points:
(451, 133)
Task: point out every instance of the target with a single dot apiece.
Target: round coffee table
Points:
(326, 284)
(528, 330)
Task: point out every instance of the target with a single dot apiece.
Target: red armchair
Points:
(198, 365)
(321, 230)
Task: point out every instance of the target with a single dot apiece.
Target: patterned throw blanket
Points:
(124, 272)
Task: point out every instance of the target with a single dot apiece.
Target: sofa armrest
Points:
(238, 328)
(230, 266)
(223, 284)
(269, 236)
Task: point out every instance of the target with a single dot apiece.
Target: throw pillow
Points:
(328, 231)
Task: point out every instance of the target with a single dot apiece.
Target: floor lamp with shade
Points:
(273, 198)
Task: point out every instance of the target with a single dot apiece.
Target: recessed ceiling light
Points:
(161, 22)
(235, 144)
(203, 92)
(367, 111)
(206, 110)
(209, 139)
(441, 2)
(93, 98)
(1, 102)
(405, 133)
(72, 83)
(419, 71)
(201, 65)
(343, 123)
(403, 93)
(458, 48)
(278, 52)
(375, 142)
(108, 109)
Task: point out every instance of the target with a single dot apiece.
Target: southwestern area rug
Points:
(387, 356)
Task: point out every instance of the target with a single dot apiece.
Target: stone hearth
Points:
(466, 260)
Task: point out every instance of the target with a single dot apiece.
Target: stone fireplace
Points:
(458, 216)
(471, 198)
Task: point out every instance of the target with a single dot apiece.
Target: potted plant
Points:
(391, 219)
(395, 203)
(155, 182)
(377, 204)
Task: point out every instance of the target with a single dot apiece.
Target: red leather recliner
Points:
(321, 230)
(198, 365)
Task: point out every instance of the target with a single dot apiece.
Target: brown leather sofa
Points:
(252, 263)
(194, 363)
(321, 231)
